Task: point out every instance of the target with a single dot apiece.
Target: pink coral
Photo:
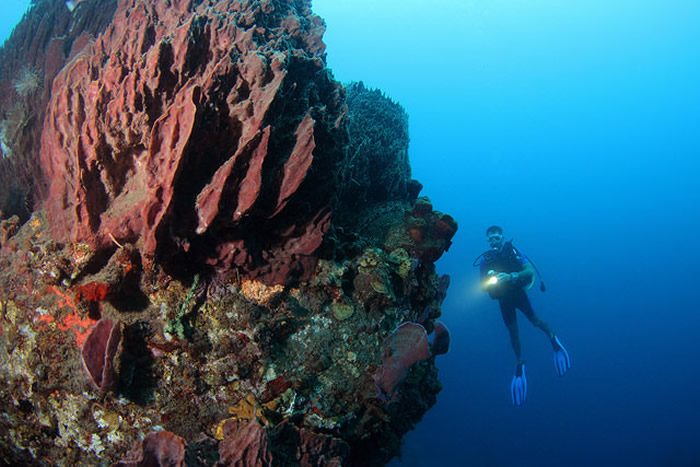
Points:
(161, 448)
(407, 345)
(431, 231)
(244, 444)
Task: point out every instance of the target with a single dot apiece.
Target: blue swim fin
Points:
(562, 362)
(518, 387)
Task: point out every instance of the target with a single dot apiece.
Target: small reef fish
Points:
(71, 4)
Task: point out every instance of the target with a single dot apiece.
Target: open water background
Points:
(575, 126)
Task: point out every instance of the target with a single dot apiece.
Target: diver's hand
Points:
(504, 277)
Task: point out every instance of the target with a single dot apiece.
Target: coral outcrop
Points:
(211, 128)
(227, 262)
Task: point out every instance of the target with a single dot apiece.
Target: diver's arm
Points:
(525, 275)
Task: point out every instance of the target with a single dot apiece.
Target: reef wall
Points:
(225, 259)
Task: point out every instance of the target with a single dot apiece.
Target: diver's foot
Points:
(518, 387)
(562, 362)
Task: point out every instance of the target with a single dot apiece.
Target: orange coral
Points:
(66, 298)
(45, 318)
(259, 292)
(246, 409)
(81, 327)
(73, 321)
(92, 292)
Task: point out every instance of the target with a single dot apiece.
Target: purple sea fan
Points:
(98, 353)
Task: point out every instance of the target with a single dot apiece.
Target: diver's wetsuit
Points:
(511, 296)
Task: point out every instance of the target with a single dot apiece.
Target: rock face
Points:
(231, 264)
(192, 126)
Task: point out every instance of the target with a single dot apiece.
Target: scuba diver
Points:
(505, 274)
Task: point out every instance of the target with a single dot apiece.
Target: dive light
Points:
(493, 279)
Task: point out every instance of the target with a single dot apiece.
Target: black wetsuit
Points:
(510, 295)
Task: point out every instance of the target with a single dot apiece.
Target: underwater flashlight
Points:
(493, 279)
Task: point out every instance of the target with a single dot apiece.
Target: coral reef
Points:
(298, 360)
(227, 262)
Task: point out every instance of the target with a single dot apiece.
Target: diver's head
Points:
(494, 235)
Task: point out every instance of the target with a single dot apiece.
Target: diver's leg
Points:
(562, 362)
(518, 387)
(526, 307)
(508, 313)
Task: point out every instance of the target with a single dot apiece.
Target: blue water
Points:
(575, 126)
(12, 11)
